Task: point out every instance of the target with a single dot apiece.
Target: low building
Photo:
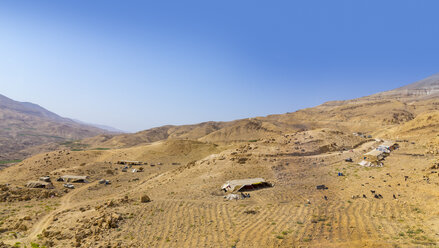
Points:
(245, 185)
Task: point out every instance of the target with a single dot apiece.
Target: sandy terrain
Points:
(188, 209)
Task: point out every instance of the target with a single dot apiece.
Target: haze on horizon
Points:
(135, 65)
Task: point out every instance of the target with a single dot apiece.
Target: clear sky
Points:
(135, 65)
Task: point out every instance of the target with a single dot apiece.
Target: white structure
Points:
(245, 184)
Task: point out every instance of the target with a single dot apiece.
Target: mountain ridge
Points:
(424, 88)
(390, 107)
(24, 125)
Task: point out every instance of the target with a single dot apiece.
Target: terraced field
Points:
(209, 224)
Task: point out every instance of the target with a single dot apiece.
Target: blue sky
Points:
(135, 65)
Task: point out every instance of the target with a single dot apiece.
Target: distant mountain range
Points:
(428, 87)
(24, 124)
(104, 127)
(430, 83)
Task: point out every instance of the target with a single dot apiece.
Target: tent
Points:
(374, 156)
(370, 164)
(387, 146)
(45, 179)
(39, 184)
(245, 185)
(129, 162)
(383, 149)
(75, 179)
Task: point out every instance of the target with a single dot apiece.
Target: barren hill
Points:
(422, 89)
(430, 84)
(24, 125)
(366, 114)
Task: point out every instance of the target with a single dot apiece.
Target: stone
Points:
(145, 199)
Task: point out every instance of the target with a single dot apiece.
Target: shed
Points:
(39, 184)
(245, 185)
(75, 179)
(374, 155)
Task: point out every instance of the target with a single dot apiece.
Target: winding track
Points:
(44, 222)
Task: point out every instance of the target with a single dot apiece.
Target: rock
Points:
(116, 216)
(80, 235)
(45, 233)
(3, 245)
(22, 227)
(145, 199)
(49, 243)
(110, 204)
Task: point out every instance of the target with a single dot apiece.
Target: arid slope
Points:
(390, 206)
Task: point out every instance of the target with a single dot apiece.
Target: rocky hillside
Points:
(24, 125)
(366, 114)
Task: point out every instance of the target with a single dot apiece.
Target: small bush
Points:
(35, 245)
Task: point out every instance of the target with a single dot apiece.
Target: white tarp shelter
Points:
(75, 179)
(387, 146)
(374, 156)
(245, 184)
(39, 184)
(370, 164)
